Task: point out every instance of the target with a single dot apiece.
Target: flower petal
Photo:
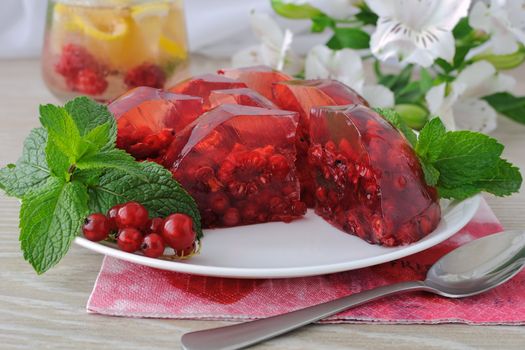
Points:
(476, 115)
(378, 95)
(338, 9)
(344, 65)
(394, 39)
(440, 105)
(266, 29)
(250, 56)
(481, 79)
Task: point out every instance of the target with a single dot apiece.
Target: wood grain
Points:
(40, 312)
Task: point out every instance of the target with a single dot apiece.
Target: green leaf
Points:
(460, 192)
(61, 125)
(295, 11)
(89, 115)
(31, 170)
(321, 22)
(502, 181)
(50, 218)
(366, 16)
(159, 193)
(393, 117)
(465, 156)
(508, 105)
(431, 173)
(353, 38)
(112, 159)
(59, 163)
(430, 141)
(100, 136)
(462, 29)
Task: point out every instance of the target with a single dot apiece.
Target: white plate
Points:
(305, 247)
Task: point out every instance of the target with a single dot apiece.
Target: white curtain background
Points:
(215, 27)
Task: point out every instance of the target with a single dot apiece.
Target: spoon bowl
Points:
(471, 269)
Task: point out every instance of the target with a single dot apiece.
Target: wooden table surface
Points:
(48, 312)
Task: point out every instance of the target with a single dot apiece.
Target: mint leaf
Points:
(504, 180)
(159, 192)
(61, 126)
(113, 159)
(30, 170)
(466, 156)
(100, 136)
(430, 172)
(430, 141)
(89, 115)
(461, 192)
(50, 218)
(393, 117)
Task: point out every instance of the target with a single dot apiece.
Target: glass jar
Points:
(102, 48)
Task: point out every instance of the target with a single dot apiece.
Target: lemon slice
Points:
(158, 9)
(109, 30)
(172, 48)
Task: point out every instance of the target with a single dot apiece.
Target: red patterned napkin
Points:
(126, 289)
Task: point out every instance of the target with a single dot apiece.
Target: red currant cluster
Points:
(134, 231)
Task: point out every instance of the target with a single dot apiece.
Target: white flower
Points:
(463, 107)
(274, 49)
(504, 20)
(346, 66)
(416, 31)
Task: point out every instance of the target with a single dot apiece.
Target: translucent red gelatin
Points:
(242, 96)
(203, 85)
(148, 119)
(301, 96)
(258, 78)
(368, 179)
(238, 164)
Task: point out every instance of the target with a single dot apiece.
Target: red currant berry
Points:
(153, 245)
(96, 227)
(178, 231)
(132, 214)
(155, 225)
(129, 239)
(112, 216)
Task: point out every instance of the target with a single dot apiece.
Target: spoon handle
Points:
(241, 335)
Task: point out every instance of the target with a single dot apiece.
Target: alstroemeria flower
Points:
(274, 48)
(346, 66)
(504, 20)
(416, 31)
(462, 107)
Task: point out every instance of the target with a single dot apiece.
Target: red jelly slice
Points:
(203, 85)
(243, 96)
(301, 96)
(148, 118)
(238, 164)
(368, 179)
(258, 78)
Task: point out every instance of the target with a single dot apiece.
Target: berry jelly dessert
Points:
(301, 96)
(148, 119)
(146, 74)
(203, 85)
(238, 164)
(368, 179)
(258, 78)
(241, 96)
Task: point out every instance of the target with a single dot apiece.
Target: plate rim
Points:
(472, 204)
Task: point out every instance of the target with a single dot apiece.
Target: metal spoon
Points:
(471, 269)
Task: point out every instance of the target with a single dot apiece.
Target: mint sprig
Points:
(459, 164)
(71, 167)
